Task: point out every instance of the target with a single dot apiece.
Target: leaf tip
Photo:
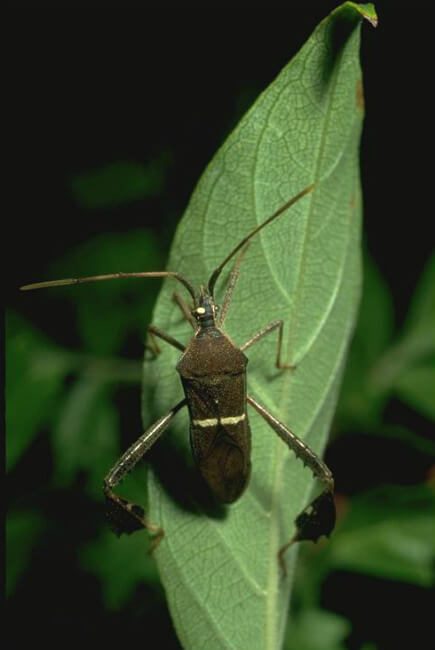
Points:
(367, 11)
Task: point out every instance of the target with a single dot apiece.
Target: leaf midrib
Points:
(286, 390)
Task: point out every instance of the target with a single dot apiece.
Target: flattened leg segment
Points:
(318, 518)
(124, 516)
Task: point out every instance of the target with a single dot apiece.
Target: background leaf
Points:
(221, 573)
(107, 312)
(85, 436)
(422, 311)
(119, 182)
(359, 403)
(129, 565)
(23, 528)
(400, 546)
(416, 346)
(316, 629)
(35, 369)
(416, 387)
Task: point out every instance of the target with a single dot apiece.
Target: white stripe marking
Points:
(212, 422)
(233, 420)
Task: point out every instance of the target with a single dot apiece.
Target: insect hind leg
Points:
(318, 518)
(125, 516)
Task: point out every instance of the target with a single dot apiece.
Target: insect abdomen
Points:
(220, 433)
(222, 452)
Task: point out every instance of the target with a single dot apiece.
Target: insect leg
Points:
(184, 307)
(124, 516)
(152, 344)
(276, 324)
(318, 518)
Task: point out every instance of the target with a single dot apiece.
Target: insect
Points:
(213, 374)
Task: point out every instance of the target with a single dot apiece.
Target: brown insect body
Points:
(213, 374)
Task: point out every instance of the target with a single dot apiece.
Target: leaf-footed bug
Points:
(213, 375)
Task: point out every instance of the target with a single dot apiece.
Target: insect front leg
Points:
(124, 516)
(271, 327)
(184, 308)
(152, 344)
(318, 518)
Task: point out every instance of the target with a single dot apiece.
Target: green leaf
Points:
(389, 533)
(416, 384)
(108, 311)
(220, 570)
(85, 436)
(35, 369)
(416, 387)
(120, 564)
(360, 405)
(416, 346)
(317, 629)
(22, 531)
(421, 316)
(119, 182)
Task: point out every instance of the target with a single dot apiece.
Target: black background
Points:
(89, 86)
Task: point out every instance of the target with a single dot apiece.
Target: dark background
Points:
(84, 90)
(86, 87)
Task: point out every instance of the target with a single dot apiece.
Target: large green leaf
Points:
(220, 569)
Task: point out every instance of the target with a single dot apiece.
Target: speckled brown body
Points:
(213, 374)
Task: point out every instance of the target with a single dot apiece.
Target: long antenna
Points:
(216, 273)
(111, 276)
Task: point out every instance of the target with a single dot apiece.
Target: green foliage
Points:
(384, 363)
(81, 417)
(35, 369)
(107, 312)
(23, 528)
(400, 546)
(119, 183)
(316, 629)
(129, 565)
(359, 399)
(304, 269)
(86, 434)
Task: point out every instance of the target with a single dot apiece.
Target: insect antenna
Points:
(111, 276)
(216, 273)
